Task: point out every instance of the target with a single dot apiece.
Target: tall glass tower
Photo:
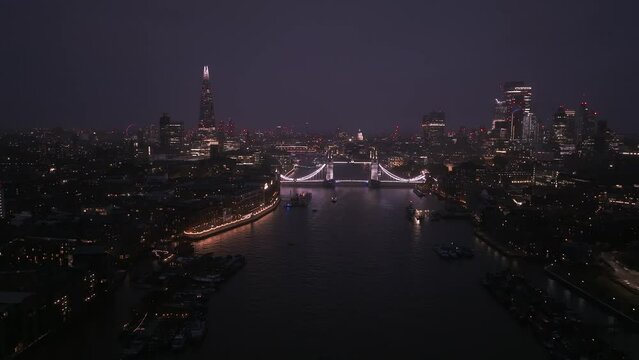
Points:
(207, 115)
(205, 135)
(518, 98)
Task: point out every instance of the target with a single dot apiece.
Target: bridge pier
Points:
(374, 179)
(329, 180)
(329, 171)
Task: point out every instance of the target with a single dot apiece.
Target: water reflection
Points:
(357, 272)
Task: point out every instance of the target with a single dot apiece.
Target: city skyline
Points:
(371, 178)
(338, 66)
(520, 106)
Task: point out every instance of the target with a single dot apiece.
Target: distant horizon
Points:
(312, 132)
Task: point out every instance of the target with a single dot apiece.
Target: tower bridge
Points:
(324, 174)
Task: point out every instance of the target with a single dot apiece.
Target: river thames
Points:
(356, 279)
(346, 280)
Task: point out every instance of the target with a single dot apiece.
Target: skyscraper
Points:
(205, 136)
(433, 127)
(530, 128)
(501, 121)
(518, 99)
(585, 123)
(207, 115)
(171, 136)
(230, 128)
(395, 134)
(561, 127)
(571, 124)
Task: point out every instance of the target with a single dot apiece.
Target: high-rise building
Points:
(501, 122)
(561, 131)
(571, 124)
(207, 115)
(530, 128)
(395, 134)
(230, 128)
(171, 136)
(138, 146)
(152, 134)
(205, 136)
(433, 128)
(518, 101)
(585, 123)
(220, 126)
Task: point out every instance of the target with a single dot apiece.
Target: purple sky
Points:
(357, 64)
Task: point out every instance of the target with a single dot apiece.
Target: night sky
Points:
(368, 64)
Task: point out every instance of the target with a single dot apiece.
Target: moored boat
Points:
(300, 200)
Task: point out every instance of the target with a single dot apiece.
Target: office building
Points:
(585, 123)
(171, 136)
(530, 129)
(433, 128)
(562, 125)
(518, 102)
(501, 122)
(205, 136)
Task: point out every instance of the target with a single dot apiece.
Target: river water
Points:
(356, 279)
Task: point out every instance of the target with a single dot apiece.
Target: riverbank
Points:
(102, 320)
(173, 315)
(502, 248)
(598, 290)
(549, 319)
(245, 219)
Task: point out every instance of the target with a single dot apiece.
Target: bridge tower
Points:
(374, 180)
(329, 167)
